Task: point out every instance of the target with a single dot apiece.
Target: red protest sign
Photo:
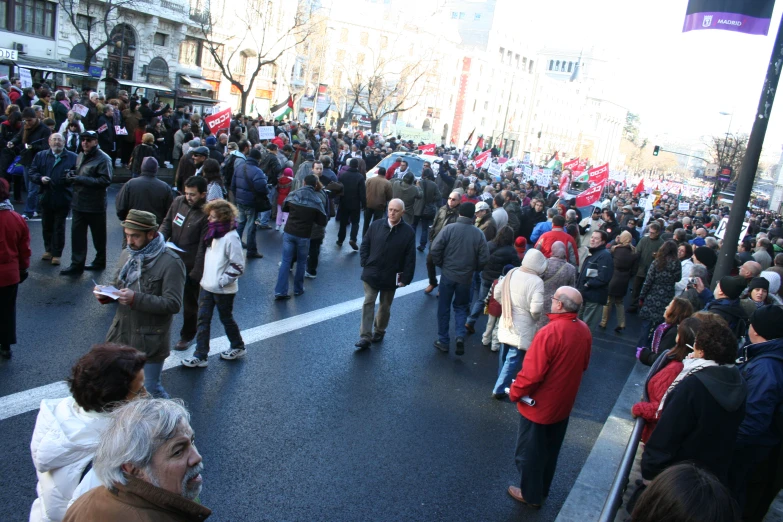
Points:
(565, 180)
(572, 165)
(590, 196)
(219, 120)
(481, 159)
(427, 149)
(598, 174)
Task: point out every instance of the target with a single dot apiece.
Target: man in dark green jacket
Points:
(646, 249)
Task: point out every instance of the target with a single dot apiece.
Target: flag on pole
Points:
(639, 188)
(479, 145)
(591, 195)
(742, 16)
(283, 109)
(325, 112)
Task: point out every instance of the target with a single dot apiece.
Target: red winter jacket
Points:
(656, 389)
(553, 369)
(544, 244)
(14, 247)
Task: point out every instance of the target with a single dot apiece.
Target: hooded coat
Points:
(527, 301)
(763, 373)
(699, 423)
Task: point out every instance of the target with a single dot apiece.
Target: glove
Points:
(23, 274)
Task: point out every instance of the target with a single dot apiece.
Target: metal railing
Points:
(615, 497)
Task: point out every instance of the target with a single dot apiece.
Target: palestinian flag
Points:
(282, 110)
(479, 145)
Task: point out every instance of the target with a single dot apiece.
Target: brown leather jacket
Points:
(137, 500)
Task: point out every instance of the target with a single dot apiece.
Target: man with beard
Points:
(148, 466)
(150, 280)
(90, 181)
(190, 165)
(31, 139)
(531, 216)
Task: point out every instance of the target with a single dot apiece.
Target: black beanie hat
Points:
(732, 286)
(706, 256)
(768, 322)
(758, 282)
(467, 210)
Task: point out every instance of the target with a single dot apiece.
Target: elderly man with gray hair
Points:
(148, 465)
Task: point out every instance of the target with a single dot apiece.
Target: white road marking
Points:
(30, 400)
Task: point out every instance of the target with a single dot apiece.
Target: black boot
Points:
(5, 351)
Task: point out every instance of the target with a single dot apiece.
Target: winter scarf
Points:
(658, 335)
(690, 366)
(308, 197)
(131, 270)
(218, 229)
(6, 205)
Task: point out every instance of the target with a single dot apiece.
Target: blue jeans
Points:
(478, 299)
(265, 216)
(301, 246)
(152, 382)
(509, 363)
(247, 217)
(32, 194)
(459, 293)
(425, 229)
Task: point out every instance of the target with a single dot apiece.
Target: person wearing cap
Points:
(706, 257)
(758, 295)
(141, 152)
(627, 213)
(31, 139)
(754, 477)
(725, 302)
(190, 165)
(484, 221)
(90, 180)
(211, 144)
(146, 193)
(49, 169)
(150, 280)
(460, 249)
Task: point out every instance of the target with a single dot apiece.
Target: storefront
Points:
(152, 91)
(199, 93)
(36, 70)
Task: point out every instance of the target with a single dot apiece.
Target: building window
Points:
(551, 65)
(360, 59)
(461, 15)
(477, 17)
(190, 52)
(482, 122)
(337, 77)
(28, 16)
(486, 105)
(454, 15)
(364, 38)
(344, 35)
(83, 22)
(340, 56)
(160, 39)
(570, 65)
(384, 42)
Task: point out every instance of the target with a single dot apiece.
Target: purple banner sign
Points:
(736, 22)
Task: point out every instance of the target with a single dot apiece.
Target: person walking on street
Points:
(521, 296)
(150, 280)
(14, 261)
(29, 141)
(406, 190)
(388, 259)
(90, 180)
(624, 260)
(426, 207)
(378, 191)
(594, 277)
(545, 391)
(646, 249)
(559, 272)
(460, 250)
(49, 170)
(352, 202)
(223, 265)
(447, 214)
(145, 192)
(658, 290)
(185, 225)
(249, 184)
(306, 207)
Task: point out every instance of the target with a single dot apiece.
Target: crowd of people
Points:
(546, 274)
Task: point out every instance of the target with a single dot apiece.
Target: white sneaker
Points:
(308, 275)
(277, 228)
(233, 353)
(195, 362)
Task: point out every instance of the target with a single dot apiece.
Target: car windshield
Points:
(414, 164)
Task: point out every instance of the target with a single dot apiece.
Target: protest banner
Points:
(79, 109)
(598, 174)
(565, 182)
(684, 206)
(590, 196)
(427, 149)
(482, 158)
(571, 164)
(267, 132)
(219, 120)
(494, 169)
(721, 230)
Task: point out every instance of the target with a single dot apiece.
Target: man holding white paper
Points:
(150, 282)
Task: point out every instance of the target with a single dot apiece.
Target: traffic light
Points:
(656, 150)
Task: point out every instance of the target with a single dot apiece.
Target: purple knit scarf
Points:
(218, 229)
(660, 330)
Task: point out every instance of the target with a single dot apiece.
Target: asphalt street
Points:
(303, 428)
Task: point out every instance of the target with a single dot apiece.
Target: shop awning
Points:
(198, 99)
(44, 64)
(197, 83)
(144, 85)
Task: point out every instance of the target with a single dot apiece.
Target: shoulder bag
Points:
(260, 201)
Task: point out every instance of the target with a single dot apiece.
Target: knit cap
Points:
(149, 165)
(774, 281)
(732, 286)
(211, 140)
(768, 322)
(288, 172)
(706, 256)
(758, 282)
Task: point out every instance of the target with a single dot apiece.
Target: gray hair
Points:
(679, 234)
(135, 433)
(558, 250)
(401, 202)
(700, 271)
(550, 213)
(570, 213)
(711, 242)
(569, 305)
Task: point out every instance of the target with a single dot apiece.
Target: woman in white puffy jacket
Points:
(521, 295)
(67, 430)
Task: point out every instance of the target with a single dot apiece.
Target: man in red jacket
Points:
(545, 390)
(545, 242)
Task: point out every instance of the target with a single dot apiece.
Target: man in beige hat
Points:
(150, 280)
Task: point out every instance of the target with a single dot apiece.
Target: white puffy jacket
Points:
(64, 442)
(527, 300)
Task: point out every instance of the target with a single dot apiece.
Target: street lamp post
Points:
(721, 157)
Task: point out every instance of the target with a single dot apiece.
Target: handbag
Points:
(260, 201)
(430, 209)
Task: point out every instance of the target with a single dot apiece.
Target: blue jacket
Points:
(242, 192)
(539, 230)
(55, 195)
(595, 289)
(763, 373)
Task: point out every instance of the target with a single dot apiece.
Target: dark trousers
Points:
(206, 307)
(312, 255)
(752, 479)
(351, 216)
(17, 182)
(96, 222)
(638, 282)
(53, 226)
(426, 223)
(433, 277)
(190, 310)
(370, 214)
(8, 314)
(126, 149)
(538, 446)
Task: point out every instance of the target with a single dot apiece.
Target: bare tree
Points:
(93, 21)
(387, 86)
(254, 42)
(728, 151)
(344, 102)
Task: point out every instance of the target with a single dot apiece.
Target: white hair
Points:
(398, 200)
(135, 433)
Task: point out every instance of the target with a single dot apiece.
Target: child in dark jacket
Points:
(284, 182)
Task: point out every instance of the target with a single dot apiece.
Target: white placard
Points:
(80, 109)
(266, 132)
(684, 206)
(494, 169)
(24, 75)
(528, 172)
(721, 230)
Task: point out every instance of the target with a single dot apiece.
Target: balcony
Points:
(200, 17)
(174, 10)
